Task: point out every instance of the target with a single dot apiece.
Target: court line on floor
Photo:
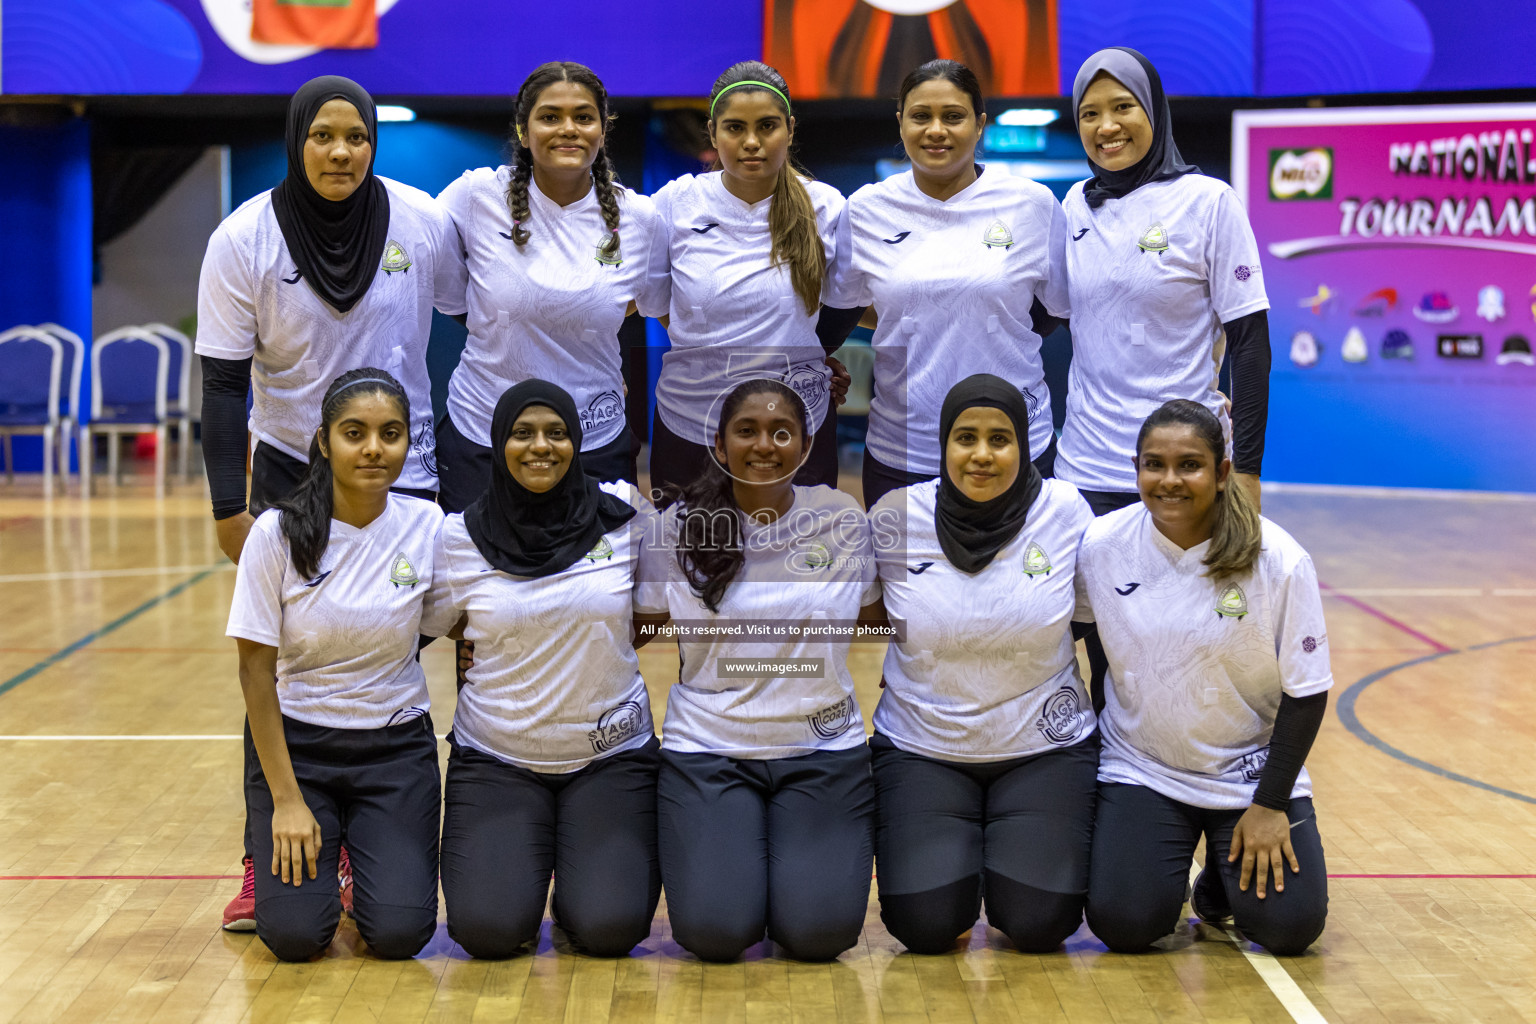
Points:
(1377, 613)
(106, 737)
(91, 637)
(112, 574)
(1351, 718)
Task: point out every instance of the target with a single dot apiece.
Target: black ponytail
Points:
(709, 546)
(305, 515)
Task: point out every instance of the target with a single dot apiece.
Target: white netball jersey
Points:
(952, 282)
(987, 671)
(1197, 665)
(812, 567)
(346, 638)
(253, 303)
(555, 683)
(734, 314)
(1153, 276)
(550, 309)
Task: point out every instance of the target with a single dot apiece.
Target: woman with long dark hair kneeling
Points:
(764, 801)
(1218, 681)
(328, 601)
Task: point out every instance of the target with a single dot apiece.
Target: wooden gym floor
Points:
(120, 810)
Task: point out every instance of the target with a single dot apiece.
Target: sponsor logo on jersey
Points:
(1233, 603)
(706, 229)
(1301, 174)
(921, 568)
(1379, 303)
(809, 382)
(1310, 644)
(896, 239)
(1036, 561)
(603, 409)
(406, 715)
(396, 259)
(1081, 232)
(617, 725)
(297, 274)
(1130, 588)
(1062, 715)
(401, 574)
(1459, 346)
(1253, 764)
(319, 579)
(997, 236)
(609, 258)
(1154, 239)
(831, 722)
(601, 552)
(1244, 271)
(424, 447)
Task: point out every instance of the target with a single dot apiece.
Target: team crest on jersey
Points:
(997, 236)
(601, 553)
(1233, 603)
(1062, 716)
(830, 723)
(606, 257)
(617, 725)
(1154, 239)
(401, 574)
(1036, 561)
(817, 556)
(396, 259)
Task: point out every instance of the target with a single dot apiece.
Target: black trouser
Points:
(1143, 844)
(1102, 503)
(677, 462)
(464, 467)
(376, 790)
(1018, 831)
(506, 829)
(782, 846)
(274, 475)
(880, 479)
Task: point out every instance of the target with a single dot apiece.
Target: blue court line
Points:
(1347, 715)
(90, 638)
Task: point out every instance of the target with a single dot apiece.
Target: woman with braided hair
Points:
(557, 252)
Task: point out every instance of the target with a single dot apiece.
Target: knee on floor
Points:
(487, 936)
(395, 933)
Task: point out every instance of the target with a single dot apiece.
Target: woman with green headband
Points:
(740, 261)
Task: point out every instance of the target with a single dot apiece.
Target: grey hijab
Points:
(1162, 161)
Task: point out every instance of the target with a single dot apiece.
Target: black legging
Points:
(507, 829)
(781, 846)
(1017, 832)
(1143, 845)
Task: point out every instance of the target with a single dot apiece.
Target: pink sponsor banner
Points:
(1399, 255)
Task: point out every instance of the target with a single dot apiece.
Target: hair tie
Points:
(764, 85)
(391, 385)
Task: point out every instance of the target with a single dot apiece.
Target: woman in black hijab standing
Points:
(1164, 278)
(985, 750)
(554, 756)
(333, 269)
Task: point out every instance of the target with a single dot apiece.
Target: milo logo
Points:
(1301, 174)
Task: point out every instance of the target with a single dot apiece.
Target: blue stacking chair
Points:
(69, 381)
(178, 387)
(129, 371)
(31, 365)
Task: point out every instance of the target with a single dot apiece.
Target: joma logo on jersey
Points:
(1233, 603)
(1301, 174)
(618, 724)
(1036, 561)
(396, 259)
(401, 574)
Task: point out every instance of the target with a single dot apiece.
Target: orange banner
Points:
(331, 24)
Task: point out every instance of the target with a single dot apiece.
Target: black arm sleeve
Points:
(834, 325)
(1041, 322)
(225, 383)
(1296, 725)
(1248, 346)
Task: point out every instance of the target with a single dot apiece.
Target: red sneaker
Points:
(344, 880)
(240, 914)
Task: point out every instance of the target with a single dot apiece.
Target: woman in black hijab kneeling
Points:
(554, 755)
(985, 749)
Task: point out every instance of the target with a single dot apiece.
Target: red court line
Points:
(1384, 617)
(6, 524)
(113, 878)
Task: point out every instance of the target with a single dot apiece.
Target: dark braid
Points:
(604, 180)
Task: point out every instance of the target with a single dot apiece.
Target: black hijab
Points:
(529, 534)
(337, 246)
(1162, 161)
(973, 532)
